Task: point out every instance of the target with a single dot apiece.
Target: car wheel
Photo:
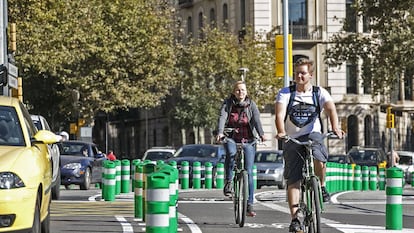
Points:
(36, 218)
(46, 222)
(87, 180)
(56, 188)
(283, 185)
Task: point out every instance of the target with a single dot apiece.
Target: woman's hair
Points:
(237, 84)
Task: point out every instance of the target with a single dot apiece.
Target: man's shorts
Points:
(294, 160)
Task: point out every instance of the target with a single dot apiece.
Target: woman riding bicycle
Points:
(241, 113)
(297, 112)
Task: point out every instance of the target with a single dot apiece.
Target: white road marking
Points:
(126, 226)
(193, 227)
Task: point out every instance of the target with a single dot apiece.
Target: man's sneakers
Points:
(325, 195)
(227, 188)
(250, 211)
(295, 226)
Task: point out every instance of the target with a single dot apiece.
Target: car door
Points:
(98, 159)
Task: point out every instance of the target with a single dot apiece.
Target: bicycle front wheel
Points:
(314, 207)
(244, 195)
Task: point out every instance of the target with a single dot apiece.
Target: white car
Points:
(406, 164)
(41, 124)
(158, 153)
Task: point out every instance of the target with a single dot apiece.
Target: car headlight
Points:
(73, 166)
(9, 180)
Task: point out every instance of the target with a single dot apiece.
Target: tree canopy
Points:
(115, 54)
(386, 46)
(209, 67)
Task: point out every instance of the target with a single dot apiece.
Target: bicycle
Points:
(310, 200)
(240, 192)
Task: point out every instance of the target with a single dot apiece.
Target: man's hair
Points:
(304, 61)
(238, 83)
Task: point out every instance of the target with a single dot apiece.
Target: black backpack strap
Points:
(316, 94)
(292, 90)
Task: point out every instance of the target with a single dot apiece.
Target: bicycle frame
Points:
(311, 200)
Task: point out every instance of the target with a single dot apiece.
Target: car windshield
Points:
(10, 129)
(337, 158)
(406, 160)
(268, 157)
(361, 156)
(156, 155)
(194, 151)
(75, 149)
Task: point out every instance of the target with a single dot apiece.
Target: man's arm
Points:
(280, 113)
(330, 109)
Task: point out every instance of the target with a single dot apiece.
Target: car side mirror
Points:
(99, 156)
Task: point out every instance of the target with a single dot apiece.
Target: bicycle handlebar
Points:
(310, 141)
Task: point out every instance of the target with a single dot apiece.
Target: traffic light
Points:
(3, 75)
(280, 56)
(13, 40)
(390, 118)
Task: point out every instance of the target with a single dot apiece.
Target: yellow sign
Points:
(280, 69)
(73, 128)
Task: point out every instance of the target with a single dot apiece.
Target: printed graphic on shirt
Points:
(302, 114)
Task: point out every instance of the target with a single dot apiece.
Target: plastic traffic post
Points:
(365, 178)
(139, 190)
(135, 162)
(254, 171)
(357, 178)
(110, 180)
(220, 176)
(184, 175)
(172, 173)
(125, 175)
(394, 190)
(381, 182)
(373, 178)
(157, 203)
(118, 177)
(149, 168)
(208, 181)
(196, 175)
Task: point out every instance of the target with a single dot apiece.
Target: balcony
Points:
(302, 32)
(185, 3)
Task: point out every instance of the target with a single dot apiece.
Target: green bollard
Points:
(328, 177)
(172, 173)
(208, 182)
(381, 182)
(357, 178)
(184, 175)
(349, 177)
(196, 175)
(394, 208)
(373, 178)
(103, 178)
(220, 176)
(139, 190)
(110, 181)
(118, 177)
(365, 178)
(125, 175)
(149, 168)
(157, 203)
(342, 177)
(135, 162)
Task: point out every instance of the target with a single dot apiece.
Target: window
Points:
(212, 17)
(200, 25)
(351, 79)
(189, 26)
(242, 14)
(298, 12)
(351, 17)
(225, 17)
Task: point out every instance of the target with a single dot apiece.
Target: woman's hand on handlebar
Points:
(339, 132)
(281, 135)
(219, 137)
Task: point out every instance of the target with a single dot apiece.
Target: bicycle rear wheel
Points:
(244, 195)
(314, 208)
(236, 197)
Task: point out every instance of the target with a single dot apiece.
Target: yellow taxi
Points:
(25, 170)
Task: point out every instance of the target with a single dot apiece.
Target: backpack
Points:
(315, 96)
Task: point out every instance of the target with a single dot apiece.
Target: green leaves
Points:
(386, 47)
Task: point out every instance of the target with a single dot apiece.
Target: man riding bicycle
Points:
(241, 113)
(297, 112)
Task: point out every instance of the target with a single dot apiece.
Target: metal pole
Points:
(285, 42)
(3, 40)
(392, 147)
